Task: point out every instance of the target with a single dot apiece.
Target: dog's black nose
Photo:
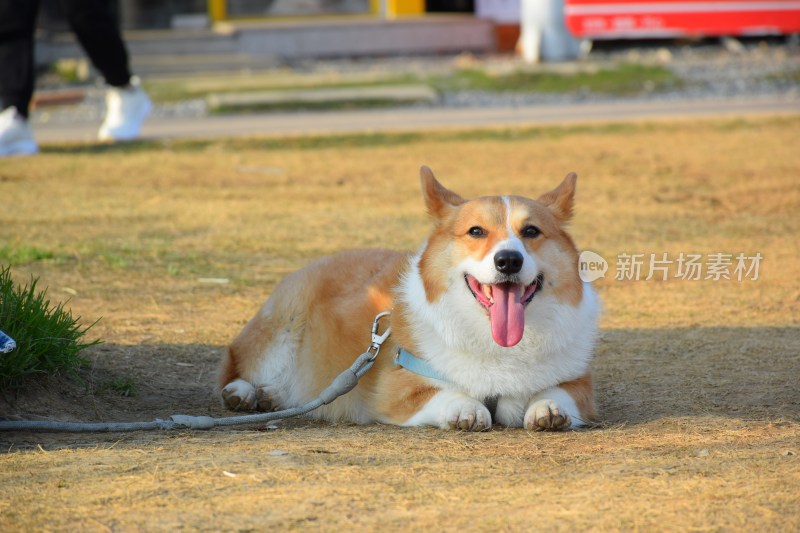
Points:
(508, 261)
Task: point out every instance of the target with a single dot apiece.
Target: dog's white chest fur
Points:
(453, 335)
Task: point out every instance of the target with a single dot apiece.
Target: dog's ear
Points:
(438, 198)
(561, 199)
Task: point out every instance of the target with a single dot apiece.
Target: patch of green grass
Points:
(174, 91)
(115, 260)
(49, 340)
(623, 79)
(23, 255)
(71, 70)
(788, 76)
(123, 386)
(171, 91)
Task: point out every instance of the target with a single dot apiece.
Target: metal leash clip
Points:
(377, 340)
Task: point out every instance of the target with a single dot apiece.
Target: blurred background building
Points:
(247, 32)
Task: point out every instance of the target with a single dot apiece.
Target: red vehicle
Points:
(620, 19)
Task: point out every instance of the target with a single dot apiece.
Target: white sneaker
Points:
(126, 110)
(16, 137)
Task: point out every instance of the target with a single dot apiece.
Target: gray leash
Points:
(342, 384)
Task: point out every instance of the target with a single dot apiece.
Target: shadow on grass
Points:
(123, 383)
(747, 373)
(641, 375)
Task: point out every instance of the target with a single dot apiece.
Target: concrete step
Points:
(315, 98)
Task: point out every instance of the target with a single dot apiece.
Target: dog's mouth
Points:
(505, 302)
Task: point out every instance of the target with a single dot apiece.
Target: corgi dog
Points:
(490, 310)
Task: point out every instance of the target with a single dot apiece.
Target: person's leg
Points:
(97, 29)
(17, 22)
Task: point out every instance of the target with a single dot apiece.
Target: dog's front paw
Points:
(265, 400)
(239, 395)
(546, 415)
(467, 414)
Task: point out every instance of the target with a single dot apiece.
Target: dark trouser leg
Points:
(97, 29)
(17, 20)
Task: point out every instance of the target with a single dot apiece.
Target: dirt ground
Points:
(174, 245)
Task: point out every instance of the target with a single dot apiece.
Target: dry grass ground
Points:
(697, 380)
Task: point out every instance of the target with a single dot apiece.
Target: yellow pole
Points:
(407, 7)
(396, 8)
(217, 10)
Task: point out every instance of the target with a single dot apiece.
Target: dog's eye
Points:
(477, 231)
(531, 232)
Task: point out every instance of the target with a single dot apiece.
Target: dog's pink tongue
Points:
(507, 314)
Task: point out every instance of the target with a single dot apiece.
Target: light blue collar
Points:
(414, 364)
